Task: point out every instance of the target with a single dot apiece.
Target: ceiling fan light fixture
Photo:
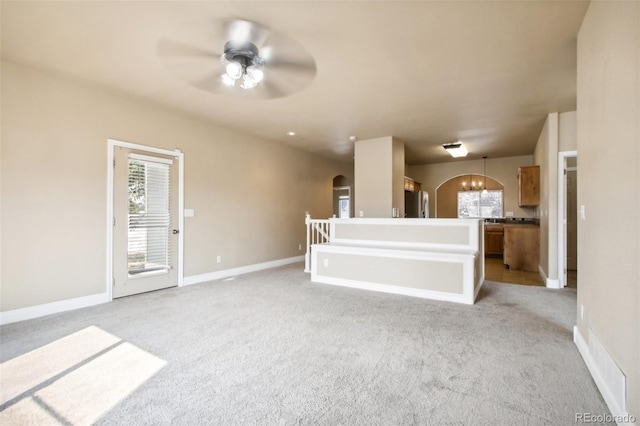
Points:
(243, 62)
(456, 149)
(229, 81)
(255, 73)
(248, 82)
(234, 70)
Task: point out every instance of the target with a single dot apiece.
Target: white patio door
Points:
(145, 231)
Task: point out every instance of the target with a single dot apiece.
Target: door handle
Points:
(175, 231)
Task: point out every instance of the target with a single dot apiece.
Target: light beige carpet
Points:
(273, 348)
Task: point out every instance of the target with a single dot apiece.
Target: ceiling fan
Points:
(237, 57)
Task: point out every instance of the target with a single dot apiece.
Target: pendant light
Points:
(484, 176)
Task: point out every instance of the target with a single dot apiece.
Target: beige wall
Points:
(398, 176)
(546, 156)
(379, 177)
(567, 137)
(249, 195)
(609, 184)
(558, 134)
(504, 170)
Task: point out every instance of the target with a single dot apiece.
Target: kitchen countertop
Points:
(513, 221)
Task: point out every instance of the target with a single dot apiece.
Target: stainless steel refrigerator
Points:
(416, 204)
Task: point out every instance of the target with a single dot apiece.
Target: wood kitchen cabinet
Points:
(522, 247)
(529, 186)
(493, 240)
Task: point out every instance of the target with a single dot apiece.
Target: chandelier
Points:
(472, 185)
(478, 185)
(243, 63)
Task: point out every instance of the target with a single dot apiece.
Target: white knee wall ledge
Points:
(441, 259)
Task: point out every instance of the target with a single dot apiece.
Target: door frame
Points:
(562, 213)
(179, 155)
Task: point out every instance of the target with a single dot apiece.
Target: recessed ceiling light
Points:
(291, 133)
(352, 138)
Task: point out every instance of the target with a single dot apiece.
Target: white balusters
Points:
(317, 233)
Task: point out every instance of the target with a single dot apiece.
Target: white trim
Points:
(110, 169)
(562, 206)
(31, 312)
(226, 273)
(548, 282)
(598, 378)
(180, 218)
(111, 144)
(151, 159)
(385, 288)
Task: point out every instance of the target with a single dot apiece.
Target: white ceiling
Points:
(427, 73)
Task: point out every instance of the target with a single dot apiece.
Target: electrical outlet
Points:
(219, 259)
(326, 263)
(581, 311)
(361, 213)
(299, 247)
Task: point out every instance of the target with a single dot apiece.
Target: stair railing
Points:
(317, 233)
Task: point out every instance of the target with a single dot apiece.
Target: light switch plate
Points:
(189, 213)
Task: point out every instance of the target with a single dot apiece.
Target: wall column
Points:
(379, 177)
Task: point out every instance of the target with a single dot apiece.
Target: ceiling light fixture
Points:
(243, 62)
(291, 133)
(456, 149)
(473, 185)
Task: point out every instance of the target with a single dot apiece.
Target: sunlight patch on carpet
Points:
(82, 388)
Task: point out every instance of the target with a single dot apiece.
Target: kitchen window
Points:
(476, 204)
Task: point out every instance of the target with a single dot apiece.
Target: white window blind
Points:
(149, 242)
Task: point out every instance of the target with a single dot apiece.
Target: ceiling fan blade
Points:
(293, 66)
(210, 82)
(242, 31)
(269, 89)
(179, 49)
(285, 55)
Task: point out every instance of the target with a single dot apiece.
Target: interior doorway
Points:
(568, 219)
(342, 203)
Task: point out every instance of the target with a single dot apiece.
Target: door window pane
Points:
(343, 204)
(149, 217)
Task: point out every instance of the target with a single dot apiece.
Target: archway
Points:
(447, 192)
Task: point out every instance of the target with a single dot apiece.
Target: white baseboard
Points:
(392, 289)
(618, 413)
(31, 312)
(548, 282)
(227, 273)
